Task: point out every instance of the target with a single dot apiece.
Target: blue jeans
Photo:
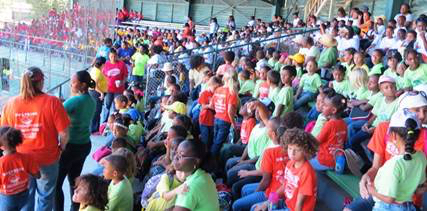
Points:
(108, 106)
(13, 202)
(382, 206)
(221, 131)
(206, 135)
(249, 197)
(361, 204)
(281, 206)
(44, 187)
(303, 99)
(232, 169)
(355, 144)
(353, 126)
(97, 116)
(317, 166)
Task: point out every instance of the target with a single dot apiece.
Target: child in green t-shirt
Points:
(273, 80)
(393, 59)
(399, 178)
(91, 193)
(308, 87)
(347, 60)
(286, 94)
(358, 84)
(359, 61)
(377, 60)
(121, 103)
(120, 193)
(340, 84)
(274, 60)
(247, 85)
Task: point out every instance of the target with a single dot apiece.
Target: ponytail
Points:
(32, 83)
(411, 137)
(409, 134)
(84, 77)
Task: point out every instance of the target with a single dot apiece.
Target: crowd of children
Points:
(249, 131)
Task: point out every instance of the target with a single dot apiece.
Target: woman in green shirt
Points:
(80, 108)
(202, 194)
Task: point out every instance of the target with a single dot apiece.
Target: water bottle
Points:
(340, 163)
(273, 199)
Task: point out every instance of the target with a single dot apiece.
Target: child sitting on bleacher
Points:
(393, 60)
(261, 85)
(377, 60)
(285, 98)
(308, 86)
(121, 103)
(359, 62)
(273, 163)
(399, 177)
(299, 187)
(120, 192)
(359, 85)
(273, 79)
(416, 73)
(333, 134)
(247, 85)
(340, 84)
(382, 111)
(347, 60)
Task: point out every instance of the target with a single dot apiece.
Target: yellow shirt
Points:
(100, 79)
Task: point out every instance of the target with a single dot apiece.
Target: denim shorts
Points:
(382, 206)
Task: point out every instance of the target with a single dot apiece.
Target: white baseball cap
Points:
(412, 100)
(399, 119)
(421, 88)
(385, 78)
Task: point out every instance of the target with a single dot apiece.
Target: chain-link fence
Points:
(60, 38)
(213, 53)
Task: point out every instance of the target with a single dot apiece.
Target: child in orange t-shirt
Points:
(273, 163)
(224, 101)
(333, 134)
(299, 187)
(206, 116)
(15, 169)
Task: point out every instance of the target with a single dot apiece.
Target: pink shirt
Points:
(114, 73)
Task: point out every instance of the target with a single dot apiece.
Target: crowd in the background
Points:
(74, 29)
(244, 129)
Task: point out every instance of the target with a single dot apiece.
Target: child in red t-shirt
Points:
(333, 134)
(206, 116)
(15, 169)
(299, 186)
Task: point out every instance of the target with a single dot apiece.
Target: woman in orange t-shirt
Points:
(224, 102)
(42, 119)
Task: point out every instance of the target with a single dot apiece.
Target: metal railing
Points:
(57, 65)
(155, 77)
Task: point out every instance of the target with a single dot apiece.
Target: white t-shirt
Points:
(251, 23)
(409, 17)
(387, 43)
(344, 44)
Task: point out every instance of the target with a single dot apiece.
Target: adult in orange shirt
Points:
(224, 102)
(333, 134)
(42, 119)
(384, 149)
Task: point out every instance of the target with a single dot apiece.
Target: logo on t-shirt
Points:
(291, 181)
(391, 149)
(113, 72)
(27, 122)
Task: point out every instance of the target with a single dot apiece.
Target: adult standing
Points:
(202, 194)
(80, 108)
(116, 73)
(41, 119)
(139, 60)
(99, 91)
